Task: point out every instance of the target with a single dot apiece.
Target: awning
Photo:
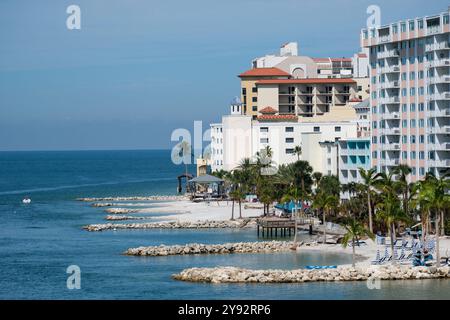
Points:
(206, 179)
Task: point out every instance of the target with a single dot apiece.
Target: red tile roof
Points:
(341, 59)
(278, 117)
(362, 55)
(268, 110)
(264, 72)
(355, 100)
(307, 81)
(321, 59)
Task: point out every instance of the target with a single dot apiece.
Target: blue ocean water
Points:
(39, 241)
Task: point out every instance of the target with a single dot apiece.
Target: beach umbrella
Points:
(402, 253)
(395, 253)
(386, 253)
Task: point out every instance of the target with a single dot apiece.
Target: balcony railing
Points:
(390, 84)
(444, 62)
(440, 113)
(443, 45)
(439, 146)
(441, 79)
(439, 96)
(386, 100)
(393, 53)
(439, 130)
(390, 69)
(391, 146)
(390, 162)
(390, 115)
(439, 163)
(392, 131)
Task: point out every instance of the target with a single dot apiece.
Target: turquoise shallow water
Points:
(39, 241)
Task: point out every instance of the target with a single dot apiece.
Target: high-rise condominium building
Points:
(409, 94)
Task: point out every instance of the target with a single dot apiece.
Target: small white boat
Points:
(26, 200)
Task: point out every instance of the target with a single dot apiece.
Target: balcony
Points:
(439, 130)
(391, 131)
(445, 146)
(390, 162)
(433, 29)
(388, 100)
(391, 69)
(439, 163)
(391, 146)
(436, 80)
(304, 93)
(390, 85)
(393, 53)
(391, 116)
(443, 45)
(439, 96)
(440, 113)
(444, 62)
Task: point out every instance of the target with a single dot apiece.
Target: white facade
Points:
(216, 147)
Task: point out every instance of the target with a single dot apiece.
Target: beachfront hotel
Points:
(289, 100)
(409, 94)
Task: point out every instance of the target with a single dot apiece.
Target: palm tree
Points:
(402, 171)
(317, 176)
(298, 152)
(390, 212)
(329, 185)
(369, 180)
(355, 231)
(325, 203)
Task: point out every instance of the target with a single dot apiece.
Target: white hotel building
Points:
(410, 94)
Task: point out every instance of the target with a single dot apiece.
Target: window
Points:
(316, 129)
(404, 123)
(421, 171)
(403, 61)
(420, 24)
(374, 109)
(244, 91)
(412, 91)
(413, 171)
(413, 123)
(374, 154)
(421, 74)
(404, 92)
(412, 107)
(421, 91)
(264, 129)
(421, 138)
(254, 99)
(411, 26)
(403, 76)
(329, 161)
(289, 129)
(404, 107)
(374, 124)
(421, 123)
(254, 89)
(403, 27)
(413, 155)
(374, 139)
(421, 155)
(289, 140)
(413, 140)
(264, 140)
(412, 75)
(289, 151)
(404, 155)
(337, 129)
(446, 20)
(404, 139)
(394, 28)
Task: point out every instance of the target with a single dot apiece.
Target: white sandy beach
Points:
(187, 211)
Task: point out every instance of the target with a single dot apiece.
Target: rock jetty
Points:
(198, 248)
(235, 224)
(342, 273)
(118, 217)
(147, 198)
(120, 210)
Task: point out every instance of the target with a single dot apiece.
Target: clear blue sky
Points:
(139, 69)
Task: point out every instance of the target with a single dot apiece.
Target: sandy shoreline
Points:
(184, 211)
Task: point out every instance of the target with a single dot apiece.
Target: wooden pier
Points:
(274, 226)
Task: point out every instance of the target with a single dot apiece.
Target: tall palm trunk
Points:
(353, 252)
(391, 231)
(438, 254)
(240, 209)
(324, 227)
(369, 205)
(442, 223)
(232, 210)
